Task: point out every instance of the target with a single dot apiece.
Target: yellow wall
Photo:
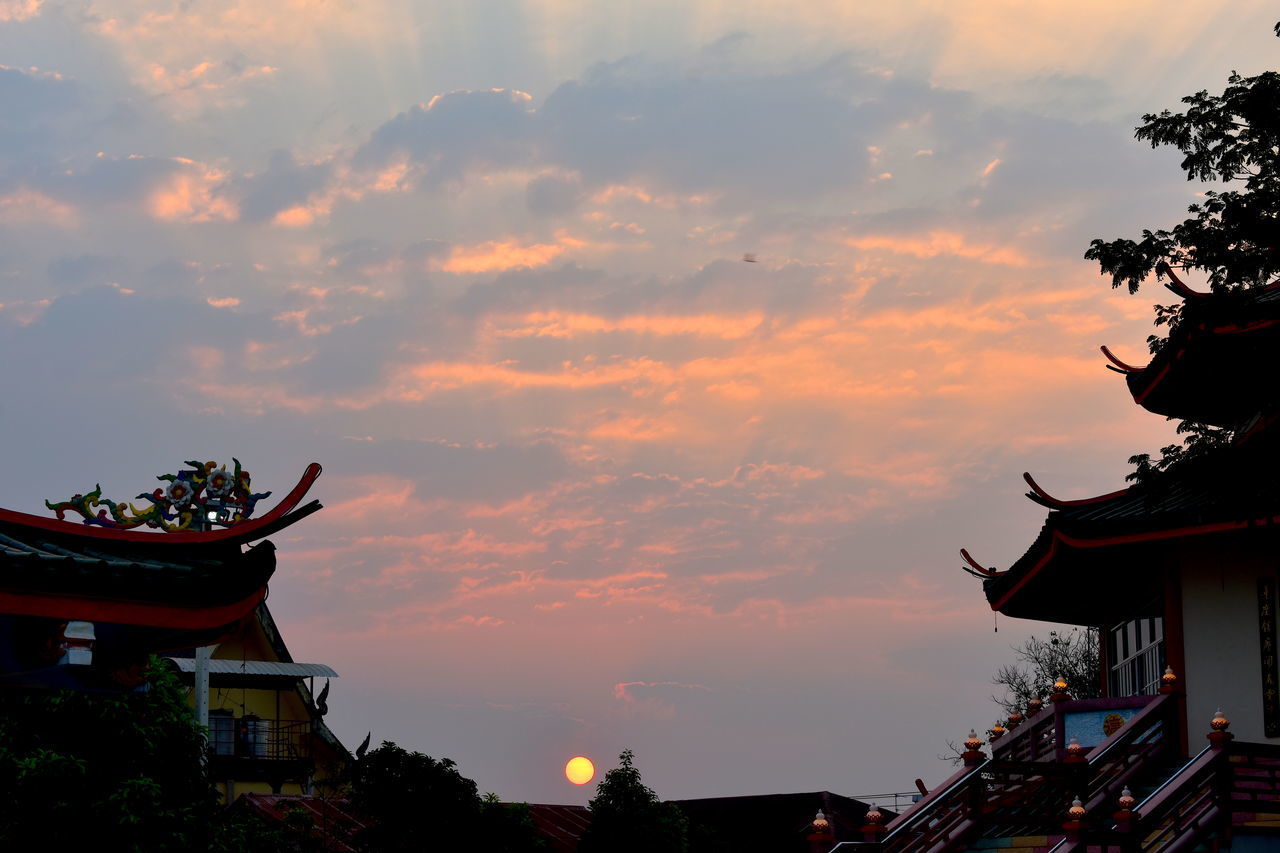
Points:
(286, 705)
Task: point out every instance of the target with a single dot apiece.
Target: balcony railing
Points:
(257, 738)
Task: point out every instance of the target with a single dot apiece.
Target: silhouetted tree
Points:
(103, 771)
(1232, 237)
(415, 802)
(1071, 655)
(627, 817)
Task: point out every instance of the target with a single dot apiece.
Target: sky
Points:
(591, 481)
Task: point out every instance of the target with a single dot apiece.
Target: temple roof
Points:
(1212, 367)
(186, 580)
(1100, 560)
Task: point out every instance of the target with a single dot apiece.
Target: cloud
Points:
(453, 134)
(19, 10)
(726, 131)
(650, 705)
(283, 186)
(38, 108)
(28, 207)
(497, 255)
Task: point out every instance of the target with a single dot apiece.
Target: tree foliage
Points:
(107, 771)
(1232, 237)
(415, 802)
(628, 817)
(1072, 655)
(1232, 139)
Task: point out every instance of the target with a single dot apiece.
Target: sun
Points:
(579, 770)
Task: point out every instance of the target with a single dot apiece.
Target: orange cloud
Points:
(19, 10)
(191, 195)
(556, 324)
(941, 243)
(24, 313)
(29, 207)
(635, 428)
(497, 255)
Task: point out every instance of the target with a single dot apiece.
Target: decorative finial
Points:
(1168, 681)
(972, 749)
(1219, 736)
(820, 822)
(1219, 723)
(996, 732)
(1075, 752)
(1034, 705)
(1126, 801)
(1015, 720)
(1074, 825)
(874, 826)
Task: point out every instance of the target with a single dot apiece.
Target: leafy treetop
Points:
(628, 817)
(1233, 235)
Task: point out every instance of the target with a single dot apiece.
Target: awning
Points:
(267, 668)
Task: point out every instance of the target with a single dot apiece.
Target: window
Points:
(222, 733)
(1135, 650)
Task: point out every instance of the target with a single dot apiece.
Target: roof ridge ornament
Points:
(1176, 284)
(975, 568)
(1045, 499)
(195, 499)
(1119, 366)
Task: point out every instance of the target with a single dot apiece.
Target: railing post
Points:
(874, 826)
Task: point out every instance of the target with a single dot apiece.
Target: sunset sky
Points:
(591, 481)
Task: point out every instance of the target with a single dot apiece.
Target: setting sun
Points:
(579, 770)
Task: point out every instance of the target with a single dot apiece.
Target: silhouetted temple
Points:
(1178, 573)
(83, 605)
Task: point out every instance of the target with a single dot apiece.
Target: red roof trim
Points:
(1060, 538)
(1048, 499)
(128, 612)
(1237, 328)
(242, 532)
(1139, 396)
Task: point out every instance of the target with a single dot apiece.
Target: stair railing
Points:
(944, 813)
(1025, 770)
(1147, 738)
(1178, 814)
(1034, 740)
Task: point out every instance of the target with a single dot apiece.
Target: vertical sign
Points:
(1267, 646)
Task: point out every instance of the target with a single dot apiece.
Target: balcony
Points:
(252, 748)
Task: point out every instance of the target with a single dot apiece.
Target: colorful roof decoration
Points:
(198, 498)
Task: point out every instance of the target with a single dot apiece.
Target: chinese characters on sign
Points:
(1267, 645)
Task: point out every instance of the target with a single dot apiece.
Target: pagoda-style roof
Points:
(1101, 560)
(188, 580)
(1215, 366)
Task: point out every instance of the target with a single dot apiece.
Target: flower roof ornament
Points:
(197, 498)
